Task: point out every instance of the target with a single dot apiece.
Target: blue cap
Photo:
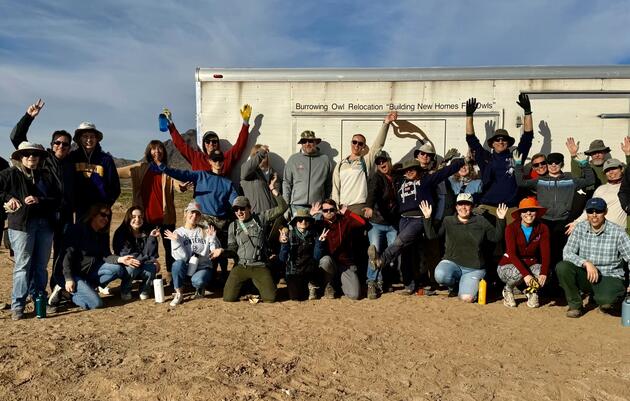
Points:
(596, 203)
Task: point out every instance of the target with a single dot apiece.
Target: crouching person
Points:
(247, 246)
(192, 248)
(593, 261)
(301, 248)
(88, 261)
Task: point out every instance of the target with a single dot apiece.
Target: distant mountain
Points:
(175, 159)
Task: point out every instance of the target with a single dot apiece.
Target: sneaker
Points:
(50, 309)
(103, 290)
(144, 296)
(408, 290)
(508, 298)
(375, 260)
(452, 292)
(573, 313)
(606, 309)
(55, 296)
(329, 292)
(178, 298)
(372, 292)
(312, 292)
(199, 293)
(17, 314)
(379, 287)
(532, 300)
(125, 296)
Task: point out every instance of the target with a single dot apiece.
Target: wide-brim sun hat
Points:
(308, 134)
(409, 164)
(86, 126)
(501, 133)
(301, 214)
(529, 203)
(597, 146)
(25, 147)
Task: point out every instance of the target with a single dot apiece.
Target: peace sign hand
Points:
(33, 110)
(323, 235)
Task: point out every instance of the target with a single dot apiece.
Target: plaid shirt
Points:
(604, 249)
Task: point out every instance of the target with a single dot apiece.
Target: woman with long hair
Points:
(138, 247)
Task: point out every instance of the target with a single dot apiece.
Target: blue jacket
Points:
(214, 193)
(497, 170)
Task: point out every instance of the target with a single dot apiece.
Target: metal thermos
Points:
(40, 305)
(158, 289)
(163, 122)
(625, 312)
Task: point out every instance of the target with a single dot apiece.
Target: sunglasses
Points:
(309, 141)
(358, 143)
(211, 140)
(541, 164)
(239, 209)
(501, 139)
(105, 215)
(29, 154)
(378, 162)
(426, 154)
(594, 211)
(528, 211)
(301, 219)
(62, 144)
(218, 160)
(555, 163)
(331, 210)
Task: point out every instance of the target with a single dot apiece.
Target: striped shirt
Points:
(604, 249)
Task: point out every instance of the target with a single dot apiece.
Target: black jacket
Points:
(382, 200)
(85, 250)
(624, 191)
(145, 248)
(15, 184)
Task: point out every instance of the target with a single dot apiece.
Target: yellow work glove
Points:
(168, 114)
(246, 112)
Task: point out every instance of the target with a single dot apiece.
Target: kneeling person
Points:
(247, 246)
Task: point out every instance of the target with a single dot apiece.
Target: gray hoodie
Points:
(307, 178)
(255, 183)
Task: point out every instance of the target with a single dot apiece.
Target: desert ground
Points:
(394, 348)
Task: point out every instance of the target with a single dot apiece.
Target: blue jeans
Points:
(32, 251)
(199, 280)
(376, 235)
(450, 273)
(84, 295)
(146, 273)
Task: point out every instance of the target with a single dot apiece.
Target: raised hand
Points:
(502, 211)
(34, 109)
(170, 235)
(451, 154)
(324, 234)
(246, 112)
(390, 117)
(572, 146)
(625, 146)
(315, 208)
(518, 157)
(426, 209)
(168, 114)
(284, 235)
(211, 231)
(523, 101)
(471, 106)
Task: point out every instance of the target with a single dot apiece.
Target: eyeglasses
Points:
(358, 143)
(213, 141)
(331, 210)
(239, 208)
(300, 219)
(29, 154)
(105, 215)
(541, 164)
(62, 144)
(594, 211)
(309, 141)
(501, 139)
(528, 211)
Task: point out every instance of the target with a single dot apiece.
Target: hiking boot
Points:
(329, 292)
(199, 293)
(532, 300)
(372, 291)
(508, 298)
(178, 298)
(312, 292)
(50, 309)
(375, 260)
(55, 296)
(606, 308)
(125, 296)
(17, 314)
(144, 296)
(573, 313)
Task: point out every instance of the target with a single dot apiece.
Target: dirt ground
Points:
(395, 348)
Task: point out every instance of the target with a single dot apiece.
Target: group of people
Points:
(325, 229)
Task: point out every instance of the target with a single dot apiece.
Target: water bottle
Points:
(625, 312)
(163, 122)
(483, 287)
(40, 305)
(158, 289)
(193, 262)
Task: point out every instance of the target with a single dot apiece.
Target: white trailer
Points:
(583, 102)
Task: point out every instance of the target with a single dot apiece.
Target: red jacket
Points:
(339, 240)
(199, 159)
(523, 254)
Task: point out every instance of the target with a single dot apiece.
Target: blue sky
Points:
(117, 63)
